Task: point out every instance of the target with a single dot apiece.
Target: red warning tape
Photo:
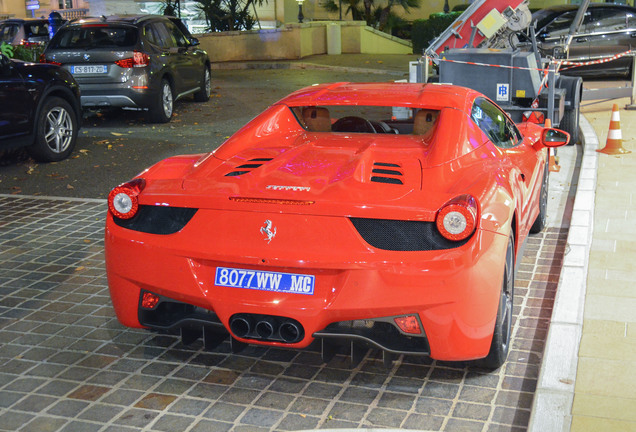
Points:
(486, 64)
(598, 61)
(572, 64)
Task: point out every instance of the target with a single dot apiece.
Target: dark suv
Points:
(39, 109)
(146, 61)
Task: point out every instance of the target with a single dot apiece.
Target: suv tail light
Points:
(123, 201)
(28, 44)
(457, 219)
(138, 59)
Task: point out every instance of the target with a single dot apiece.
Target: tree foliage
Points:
(376, 13)
(227, 15)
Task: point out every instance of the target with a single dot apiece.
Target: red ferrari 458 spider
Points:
(391, 214)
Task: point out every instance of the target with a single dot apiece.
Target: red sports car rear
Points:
(389, 214)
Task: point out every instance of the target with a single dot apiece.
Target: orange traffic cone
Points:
(614, 143)
(554, 163)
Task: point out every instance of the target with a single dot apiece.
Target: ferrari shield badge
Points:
(268, 231)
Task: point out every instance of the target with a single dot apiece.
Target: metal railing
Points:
(70, 14)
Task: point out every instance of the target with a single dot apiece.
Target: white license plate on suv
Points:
(265, 281)
(88, 69)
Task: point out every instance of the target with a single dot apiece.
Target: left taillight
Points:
(457, 219)
(138, 59)
(123, 201)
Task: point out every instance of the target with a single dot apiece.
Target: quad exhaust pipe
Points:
(266, 328)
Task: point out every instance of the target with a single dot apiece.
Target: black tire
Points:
(203, 95)
(161, 111)
(502, 334)
(541, 220)
(570, 120)
(56, 131)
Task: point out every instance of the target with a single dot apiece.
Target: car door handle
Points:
(581, 39)
(632, 34)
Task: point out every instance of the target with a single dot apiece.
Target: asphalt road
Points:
(116, 145)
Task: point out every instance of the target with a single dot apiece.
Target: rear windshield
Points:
(36, 30)
(98, 36)
(367, 119)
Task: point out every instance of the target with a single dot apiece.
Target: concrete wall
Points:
(13, 8)
(295, 41)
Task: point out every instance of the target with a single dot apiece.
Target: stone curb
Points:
(554, 396)
(301, 65)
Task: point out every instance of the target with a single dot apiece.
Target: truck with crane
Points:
(491, 47)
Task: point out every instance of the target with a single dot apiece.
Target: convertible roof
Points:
(434, 96)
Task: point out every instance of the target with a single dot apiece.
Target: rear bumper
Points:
(454, 293)
(103, 97)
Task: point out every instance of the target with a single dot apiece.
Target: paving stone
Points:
(348, 411)
(44, 424)
(211, 426)
(423, 422)
(224, 412)
(309, 406)
(171, 423)
(80, 426)
(295, 422)
(261, 417)
(274, 400)
(385, 417)
(155, 401)
(136, 417)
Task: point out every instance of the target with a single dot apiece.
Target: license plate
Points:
(88, 69)
(265, 281)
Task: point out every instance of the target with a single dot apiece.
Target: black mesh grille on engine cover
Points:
(401, 235)
(158, 219)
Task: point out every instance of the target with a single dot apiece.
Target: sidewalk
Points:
(605, 389)
(598, 376)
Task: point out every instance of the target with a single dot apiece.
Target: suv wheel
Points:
(203, 95)
(161, 111)
(56, 131)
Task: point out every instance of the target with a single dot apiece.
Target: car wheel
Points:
(56, 131)
(501, 337)
(161, 112)
(203, 95)
(540, 222)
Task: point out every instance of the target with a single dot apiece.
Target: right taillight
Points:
(138, 59)
(457, 219)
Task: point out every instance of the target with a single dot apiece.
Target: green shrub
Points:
(425, 31)
(29, 54)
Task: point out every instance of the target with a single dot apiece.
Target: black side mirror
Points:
(194, 41)
(554, 137)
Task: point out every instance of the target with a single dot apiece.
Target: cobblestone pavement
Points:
(70, 366)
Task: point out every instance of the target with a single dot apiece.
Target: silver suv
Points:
(27, 32)
(146, 61)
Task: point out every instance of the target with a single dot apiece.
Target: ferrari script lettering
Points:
(265, 280)
(291, 188)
